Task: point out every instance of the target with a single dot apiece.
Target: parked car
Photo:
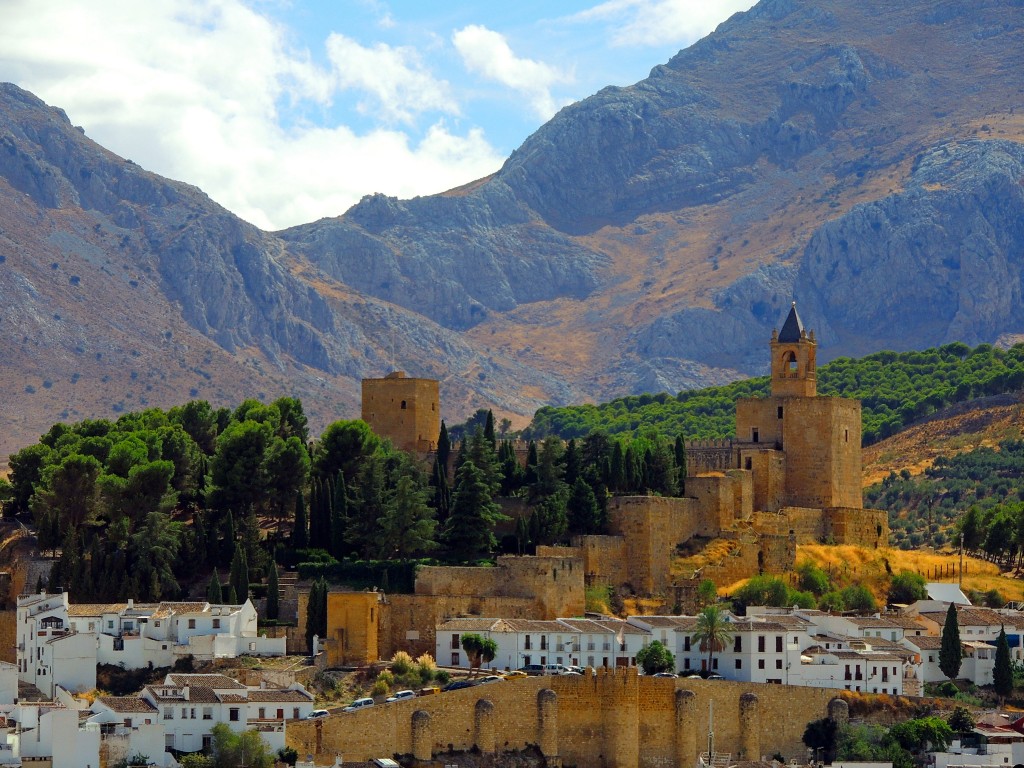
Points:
(514, 673)
(568, 671)
(532, 669)
(317, 713)
(359, 704)
(399, 695)
(663, 674)
(430, 690)
(490, 679)
(714, 676)
(458, 685)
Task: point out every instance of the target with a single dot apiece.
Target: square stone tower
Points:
(406, 411)
(803, 450)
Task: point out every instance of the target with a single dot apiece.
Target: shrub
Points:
(386, 678)
(443, 676)
(379, 688)
(401, 663)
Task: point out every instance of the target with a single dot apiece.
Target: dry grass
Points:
(715, 552)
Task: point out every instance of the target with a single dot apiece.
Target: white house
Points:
(50, 732)
(129, 725)
(190, 705)
(49, 651)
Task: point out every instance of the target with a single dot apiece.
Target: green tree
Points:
(287, 467)
(26, 473)
(239, 750)
(655, 657)
(238, 471)
(316, 612)
(342, 447)
(214, 594)
(469, 530)
(68, 491)
(339, 519)
(922, 733)
(950, 654)
(811, 578)
(479, 650)
(273, 588)
(858, 598)
(961, 721)
(680, 458)
(1002, 672)
(907, 587)
(240, 574)
(822, 735)
(712, 632)
(583, 511)
(408, 524)
(300, 529)
(707, 593)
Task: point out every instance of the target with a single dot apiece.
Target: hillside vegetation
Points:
(896, 389)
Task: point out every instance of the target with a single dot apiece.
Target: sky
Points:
(288, 111)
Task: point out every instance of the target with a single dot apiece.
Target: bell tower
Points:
(794, 364)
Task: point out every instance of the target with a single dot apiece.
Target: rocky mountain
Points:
(865, 159)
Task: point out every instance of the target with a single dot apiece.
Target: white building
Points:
(49, 651)
(50, 732)
(128, 726)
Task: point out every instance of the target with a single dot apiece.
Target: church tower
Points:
(794, 366)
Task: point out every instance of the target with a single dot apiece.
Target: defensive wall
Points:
(611, 717)
(848, 525)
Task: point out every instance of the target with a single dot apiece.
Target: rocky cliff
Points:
(863, 158)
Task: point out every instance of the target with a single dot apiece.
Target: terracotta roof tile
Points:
(220, 682)
(280, 694)
(127, 704)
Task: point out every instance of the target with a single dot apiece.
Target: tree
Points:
(214, 594)
(316, 612)
(950, 655)
(479, 650)
(469, 530)
(961, 721)
(300, 530)
(272, 591)
(707, 592)
(1002, 672)
(238, 469)
(584, 513)
(408, 523)
(339, 518)
(655, 657)
(240, 574)
(858, 598)
(811, 578)
(239, 750)
(907, 587)
(342, 447)
(680, 456)
(712, 632)
(821, 735)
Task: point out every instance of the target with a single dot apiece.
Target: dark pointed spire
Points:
(792, 329)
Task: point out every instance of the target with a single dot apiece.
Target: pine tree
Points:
(300, 530)
(272, 592)
(408, 524)
(214, 593)
(368, 507)
(1002, 672)
(469, 531)
(950, 655)
(584, 515)
(240, 574)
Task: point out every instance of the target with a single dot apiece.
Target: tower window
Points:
(754, 435)
(780, 411)
(403, 405)
(789, 362)
(846, 435)
(749, 463)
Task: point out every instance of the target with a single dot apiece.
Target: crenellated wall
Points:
(612, 718)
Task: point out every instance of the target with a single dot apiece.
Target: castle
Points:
(792, 475)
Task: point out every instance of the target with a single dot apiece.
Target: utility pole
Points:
(961, 581)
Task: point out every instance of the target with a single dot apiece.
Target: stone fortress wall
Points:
(612, 717)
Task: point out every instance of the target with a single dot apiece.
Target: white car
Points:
(317, 714)
(490, 679)
(399, 695)
(359, 704)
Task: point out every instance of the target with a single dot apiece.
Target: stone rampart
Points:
(612, 718)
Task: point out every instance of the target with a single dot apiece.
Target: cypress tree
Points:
(227, 545)
(572, 462)
(1002, 672)
(531, 464)
(240, 574)
(617, 469)
(339, 519)
(442, 499)
(949, 651)
(316, 611)
(489, 430)
(214, 593)
(444, 447)
(300, 530)
(680, 452)
(230, 598)
(272, 590)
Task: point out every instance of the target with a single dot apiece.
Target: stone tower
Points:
(406, 411)
(803, 450)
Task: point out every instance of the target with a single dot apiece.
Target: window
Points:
(778, 663)
(455, 643)
(739, 663)
(778, 644)
(191, 623)
(714, 664)
(207, 713)
(590, 661)
(110, 624)
(749, 463)
(754, 435)
(156, 623)
(527, 660)
(780, 411)
(295, 713)
(686, 643)
(216, 623)
(543, 642)
(760, 663)
(169, 714)
(846, 435)
(233, 714)
(184, 713)
(686, 663)
(455, 659)
(403, 405)
(207, 742)
(262, 713)
(760, 643)
(526, 643)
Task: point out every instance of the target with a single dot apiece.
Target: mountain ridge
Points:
(864, 159)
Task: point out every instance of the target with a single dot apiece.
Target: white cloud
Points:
(193, 89)
(487, 53)
(395, 77)
(661, 22)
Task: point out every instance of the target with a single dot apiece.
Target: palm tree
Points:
(712, 632)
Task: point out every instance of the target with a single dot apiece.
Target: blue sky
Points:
(285, 111)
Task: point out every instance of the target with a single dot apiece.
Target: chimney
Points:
(131, 603)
